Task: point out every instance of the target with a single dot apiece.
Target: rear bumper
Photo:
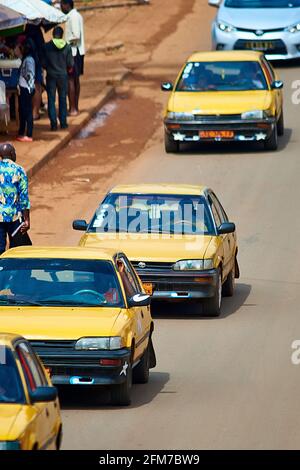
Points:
(73, 367)
(176, 286)
(244, 130)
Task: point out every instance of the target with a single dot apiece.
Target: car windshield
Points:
(222, 76)
(153, 214)
(64, 282)
(262, 3)
(11, 389)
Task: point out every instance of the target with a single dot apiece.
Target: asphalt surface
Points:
(219, 383)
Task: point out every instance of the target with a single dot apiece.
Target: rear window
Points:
(11, 388)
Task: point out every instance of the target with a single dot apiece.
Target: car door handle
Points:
(47, 413)
(142, 315)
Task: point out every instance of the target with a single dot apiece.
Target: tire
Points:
(121, 394)
(212, 306)
(58, 440)
(228, 286)
(140, 373)
(280, 124)
(170, 145)
(271, 143)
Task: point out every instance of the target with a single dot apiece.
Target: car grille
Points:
(58, 345)
(71, 361)
(217, 117)
(152, 266)
(260, 31)
(278, 46)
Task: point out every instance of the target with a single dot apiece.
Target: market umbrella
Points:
(35, 11)
(11, 22)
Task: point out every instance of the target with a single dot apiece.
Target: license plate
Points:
(148, 288)
(216, 134)
(260, 45)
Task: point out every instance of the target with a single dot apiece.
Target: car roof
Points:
(74, 252)
(180, 189)
(229, 56)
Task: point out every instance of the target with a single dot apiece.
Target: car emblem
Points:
(259, 32)
(142, 265)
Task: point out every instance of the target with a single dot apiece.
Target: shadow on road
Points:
(89, 398)
(193, 311)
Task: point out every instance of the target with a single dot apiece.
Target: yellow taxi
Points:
(29, 408)
(84, 312)
(224, 96)
(178, 238)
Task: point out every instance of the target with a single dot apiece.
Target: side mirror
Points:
(277, 85)
(43, 394)
(80, 225)
(139, 300)
(167, 86)
(226, 227)
(214, 3)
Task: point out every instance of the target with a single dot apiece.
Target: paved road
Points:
(220, 383)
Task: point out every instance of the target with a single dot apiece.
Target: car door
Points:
(219, 219)
(33, 380)
(132, 288)
(230, 237)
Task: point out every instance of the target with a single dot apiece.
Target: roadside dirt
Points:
(72, 184)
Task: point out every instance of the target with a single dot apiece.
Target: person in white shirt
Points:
(74, 35)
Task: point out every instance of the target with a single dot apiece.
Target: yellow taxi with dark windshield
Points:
(29, 408)
(178, 238)
(224, 96)
(84, 312)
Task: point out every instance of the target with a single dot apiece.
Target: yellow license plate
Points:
(216, 134)
(260, 45)
(148, 288)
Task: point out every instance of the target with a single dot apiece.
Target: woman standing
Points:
(27, 88)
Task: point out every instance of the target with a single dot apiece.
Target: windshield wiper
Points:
(19, 302)
(70, 303)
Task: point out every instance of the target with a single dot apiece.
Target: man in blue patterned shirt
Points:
(14, 199)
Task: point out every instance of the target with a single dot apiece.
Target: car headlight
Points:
(180, 116)
(193, 264)
(110, 343)
(10, 445)
(225, 27)
(295, 28)
(256, 114)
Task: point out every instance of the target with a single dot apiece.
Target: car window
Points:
(214, 211)
(219, 207)
(222, 76)
(269, 71)
(31, 374)
(11, 388)
(130, 284)
(262, 3)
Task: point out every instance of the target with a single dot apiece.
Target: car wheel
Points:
(58, 439)
(170, 145)
(141, 372)
(271, 143)
(228, 286)
(212, 307)
(280, 124)
(121, 394)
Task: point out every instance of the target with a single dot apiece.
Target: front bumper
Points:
(181, 285)
(285, 45)
(70, 367)
(243, 129)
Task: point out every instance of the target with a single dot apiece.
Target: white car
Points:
(269, 26)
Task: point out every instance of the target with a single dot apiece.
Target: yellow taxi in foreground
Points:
(224, 96)
(178, 238)
(29, 408)
(84, 312)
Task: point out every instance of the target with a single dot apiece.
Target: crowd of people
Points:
(54, 66)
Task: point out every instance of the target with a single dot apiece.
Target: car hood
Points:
(220, 102)
(259, 18)
(59, 322)
(139, 248)
(9, 414)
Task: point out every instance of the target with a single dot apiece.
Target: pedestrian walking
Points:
(58, 62)
(26, 90)
(74, 35)
(14, 200)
